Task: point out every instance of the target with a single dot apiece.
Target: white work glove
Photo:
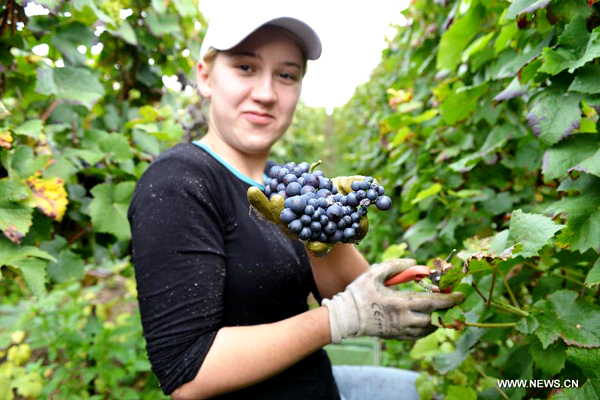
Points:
(368, 307)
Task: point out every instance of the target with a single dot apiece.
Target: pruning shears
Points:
(419, 272)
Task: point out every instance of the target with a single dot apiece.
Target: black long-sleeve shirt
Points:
(203, 261)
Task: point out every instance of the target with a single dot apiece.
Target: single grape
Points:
(361, 194)
(337, 236)
(273, 185)
(341, 224)
(349, 233)
(348, 220)
(324, 220)
(380, 190)
(323, 193)
(364, 186)
(315, 226)
(318, 172)
(315, 235)
(289, 178)
(281, 187)
(334, 212)
(297, 204)
(297, 171)
(322, 202)
(296, 226)
(371, 195)
(282, 194)
(307, 188)
(351, 199)
(323, 238)
(330, 228)
(305, 233)
(282, 173)
(304, 166)
(301, 181)
(274, 170)
(312, 180)
(309, 210)
(293, 189)
(383, 203)
(268, 191)
(317, 214)
(310, 195)
(287, 216)
(355, 226)
(334, 190)
(313, 202)
(306, 220)
(355, 185)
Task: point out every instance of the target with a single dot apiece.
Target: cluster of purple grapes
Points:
(313, 208)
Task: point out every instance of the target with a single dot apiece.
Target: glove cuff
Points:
(343, 316)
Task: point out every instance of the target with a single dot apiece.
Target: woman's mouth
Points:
(258, 118)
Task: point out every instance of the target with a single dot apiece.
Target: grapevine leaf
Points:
(495, 140)
(425, 193)
(28, 261)
(68, 263)
(109, 208)
(590, 390)
(505, 37)
(514, 89)
(461, 393)
(455, 39)
(590, 165)
(117, 146)
(567, 154)
(586, 81)
(583, 222)
(26, 163)
(513, 65)
(461, 103)
(125, 32)
(464, 346)
(519, 7)
(575, 48)
(15, 209)
(186, 8)
(586, 359)
(550, 360)
(576, 322)
(162, 24)
(50, 196)
(554, 115)
(593, 277)
(76, 85)
(31, 128)
(527, 325)
(478, 45)
(533, 231)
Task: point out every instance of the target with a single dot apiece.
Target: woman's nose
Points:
(264, 90)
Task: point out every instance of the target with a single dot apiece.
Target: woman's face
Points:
(254, 89)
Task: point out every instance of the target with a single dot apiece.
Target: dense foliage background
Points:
(481, 121)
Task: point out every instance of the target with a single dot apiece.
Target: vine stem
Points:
(510, 309)
(489, 299)
(488, 378)
(474, 285)
(510, 292)
(23, 287)
(496, 325)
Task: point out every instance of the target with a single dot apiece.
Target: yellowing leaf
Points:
(6, 140)
(50, 196)
(17, 337)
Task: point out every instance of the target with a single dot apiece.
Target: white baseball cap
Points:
(227, 31)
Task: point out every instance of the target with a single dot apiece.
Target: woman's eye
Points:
(244, 67)
(287, 76)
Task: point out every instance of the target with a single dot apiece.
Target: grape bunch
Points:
(313, 207)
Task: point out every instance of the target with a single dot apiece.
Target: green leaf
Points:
(533, 231)
(186, 8)
(505, 37)
(591, 165)
(477, 45)
(455, 39)
(425, 193)
(583, 223)
(576, 322)
(125, 32)
(461, 393)
(162, 24)
(16, 209)
(68, 37)
(516, 62)
(558, 160)
(586, 359)
(589, 391)
(76, 85)
(68, 263)
(586, 80)
(461, 103)
(423, 231)
(26, 163)
(444, 363)
(519, 7)
(28, 261)
(575, 48)
(527, 325)
(554, 115)
(109, 208)
(550, 360)
(593, 277)
(117, 146)
(31, 128)
(495, 140)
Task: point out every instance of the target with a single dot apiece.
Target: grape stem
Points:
(489, 299)
(313, 166)
(489, 379)
(510, 292)
(496, 325)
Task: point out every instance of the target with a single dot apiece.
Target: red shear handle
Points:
(415, 273)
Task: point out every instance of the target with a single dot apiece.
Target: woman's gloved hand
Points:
(271, 210)
(368, 307)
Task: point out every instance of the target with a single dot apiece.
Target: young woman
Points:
(223, 293)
